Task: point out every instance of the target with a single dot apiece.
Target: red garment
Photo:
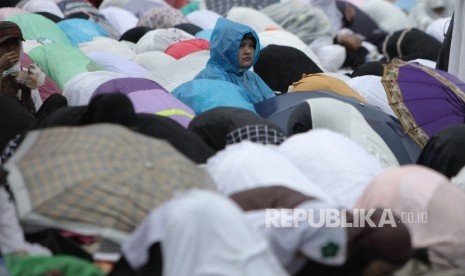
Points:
(183, 48)
(177, 3)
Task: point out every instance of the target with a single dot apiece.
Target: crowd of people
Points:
(227, 137)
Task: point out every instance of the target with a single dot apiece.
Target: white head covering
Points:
(345, 119)
(438, 28)
(160, 39)
(108, 45)
(43, 6)
(388, 16)
(80, 88)
(251, 17)
(337, 164)
(247, 165)
(372, 90)
(118, 64)
(120, 18)
(332, 12)
(205, 19)
(202, 233)
(422, 14)
(305, 239)
(180, 71)
(111, 3)
(153, 60)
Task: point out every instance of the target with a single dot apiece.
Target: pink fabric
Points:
(433, 204)
(181, 49)
(6, 12)
(48, 88)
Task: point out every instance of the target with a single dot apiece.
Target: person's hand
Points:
(8, 59)
(351, 42)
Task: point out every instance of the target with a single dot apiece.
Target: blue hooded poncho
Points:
(224, 65)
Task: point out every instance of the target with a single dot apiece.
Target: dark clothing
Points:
(134, 34)
(374, 68)
(280, 66)
(153, 266)
(180, 138)
(188, 28)
(14, 119)
(213, 125)
(444, 152)
(410, 44)
(269, 197)
(363, 24)
(444, 53)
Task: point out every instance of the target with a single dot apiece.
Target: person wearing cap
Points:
(20, 83)
(10, 47)
(234, 49)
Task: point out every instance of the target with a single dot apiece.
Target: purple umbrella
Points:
(148, 96)
(424, 99)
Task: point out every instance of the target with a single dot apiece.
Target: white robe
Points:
(202, 234)
(248, 165)
(457, 47)
(337, 164)
(11, 234)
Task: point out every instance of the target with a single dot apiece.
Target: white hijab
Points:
(249, 165)
(202, 234)
(334, 162)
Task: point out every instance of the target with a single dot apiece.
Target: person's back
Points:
(234, 49)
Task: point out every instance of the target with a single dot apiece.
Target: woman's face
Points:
(11, 44)
(246, 52)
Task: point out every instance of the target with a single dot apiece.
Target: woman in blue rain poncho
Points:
(234, 49)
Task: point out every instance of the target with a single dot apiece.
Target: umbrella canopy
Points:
(101, 179)
(425, 100)
(148, 96)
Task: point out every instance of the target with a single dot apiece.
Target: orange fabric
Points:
(319, 82)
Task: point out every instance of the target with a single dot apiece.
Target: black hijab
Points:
(444, 152)
(280, 66)
(184, 141)
(134, 34)
(213, 126)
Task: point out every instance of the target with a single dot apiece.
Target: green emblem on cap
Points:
(329, 250)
